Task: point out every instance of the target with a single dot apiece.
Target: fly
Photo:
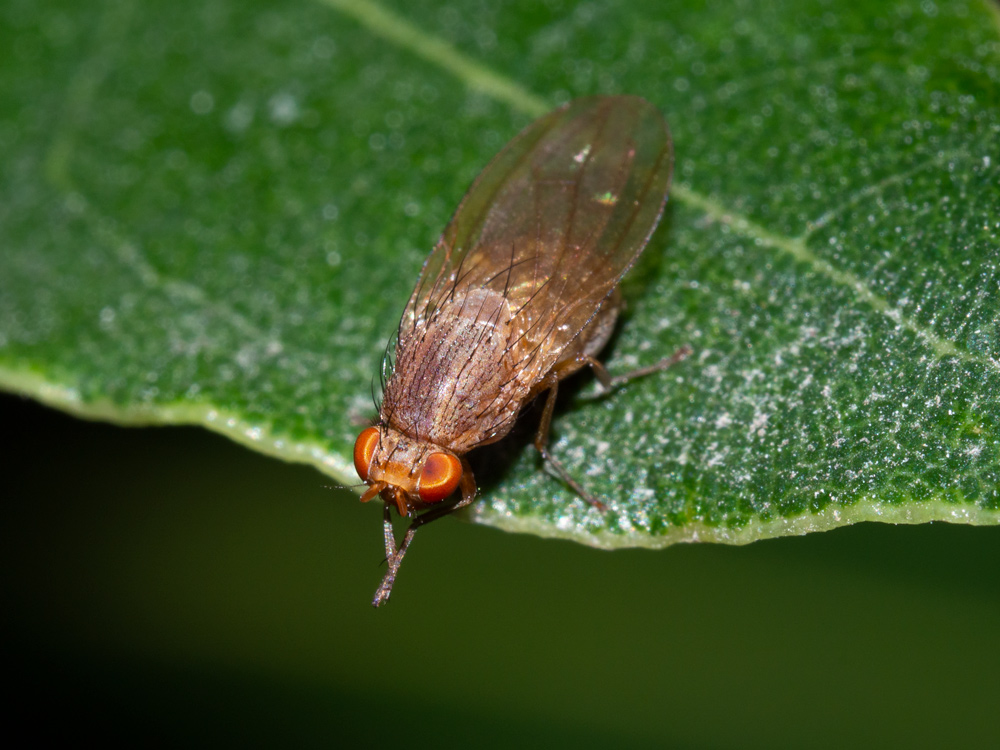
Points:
(519, 293)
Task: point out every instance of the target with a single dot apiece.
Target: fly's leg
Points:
(394, 555)
(390, 536)
(395, 559)
(542, 439)
(609, 383)
(593, 339)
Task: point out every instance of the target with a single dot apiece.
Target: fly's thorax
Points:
(411, 473)
(455, 383)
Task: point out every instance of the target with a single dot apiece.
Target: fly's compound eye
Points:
(439, 477)
(364, 449)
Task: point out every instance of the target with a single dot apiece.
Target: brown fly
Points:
(519, 293)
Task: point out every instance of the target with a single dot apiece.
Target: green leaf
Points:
(214, 212)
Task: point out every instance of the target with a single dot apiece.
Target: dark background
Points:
(168, 585)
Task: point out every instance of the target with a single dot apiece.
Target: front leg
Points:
(390, 536)
(394, 556)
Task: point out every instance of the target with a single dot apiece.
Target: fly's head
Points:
(410, 473)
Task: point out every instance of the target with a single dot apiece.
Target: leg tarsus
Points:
(568, 479)
(385, 588)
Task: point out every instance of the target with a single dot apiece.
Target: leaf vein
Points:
(879, 188)
(81, 90)
(796, 248)
(396, 29)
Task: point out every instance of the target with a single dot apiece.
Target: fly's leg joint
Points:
(610, 383)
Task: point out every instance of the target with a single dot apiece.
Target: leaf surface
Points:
(214, 213)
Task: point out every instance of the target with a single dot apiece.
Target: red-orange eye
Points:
(364, 449)
(439, 477)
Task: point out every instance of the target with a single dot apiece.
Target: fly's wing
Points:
(554, 222)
